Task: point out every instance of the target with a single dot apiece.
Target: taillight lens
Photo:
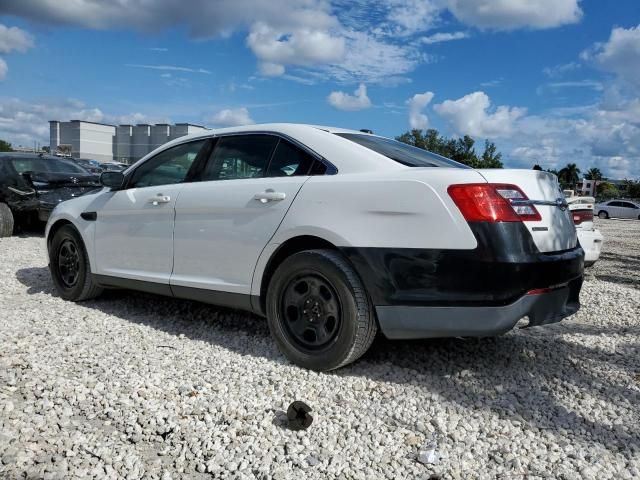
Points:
(489, 202)
(580, 216)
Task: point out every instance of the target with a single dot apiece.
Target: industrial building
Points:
(113, 143)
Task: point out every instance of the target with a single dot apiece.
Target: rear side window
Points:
(401, 152)
(241, 156)
(289, 160)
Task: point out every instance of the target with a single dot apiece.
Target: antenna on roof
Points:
(366, 130)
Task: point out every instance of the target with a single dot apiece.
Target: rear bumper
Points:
(411, 322)
(420, 293)
(591, 243)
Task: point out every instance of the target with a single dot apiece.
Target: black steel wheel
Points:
(69, 266)
(311, 311)
(318, 310)
(68, 262)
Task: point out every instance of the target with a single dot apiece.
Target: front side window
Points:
(168, 167)
(241, 156)
(401, 152)
(289, 160)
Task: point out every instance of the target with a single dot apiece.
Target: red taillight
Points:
(580, 216)
(490, 202)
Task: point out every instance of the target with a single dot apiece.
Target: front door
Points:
(134, 228)
(224, 222)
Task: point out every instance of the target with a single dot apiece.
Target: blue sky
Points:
(550, 81)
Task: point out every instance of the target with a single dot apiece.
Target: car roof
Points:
(8, 155)
(347, 156)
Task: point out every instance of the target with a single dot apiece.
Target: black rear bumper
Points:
(458, 292)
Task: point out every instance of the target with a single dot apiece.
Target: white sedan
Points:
(589, 237)
(618, 209)
(331, 234)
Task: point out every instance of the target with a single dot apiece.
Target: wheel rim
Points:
(311, 312)
(68, 263)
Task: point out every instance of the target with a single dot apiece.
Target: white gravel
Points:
(133, 385)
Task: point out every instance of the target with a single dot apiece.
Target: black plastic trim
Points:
(502, 268)
(89, 216)
(215, 297)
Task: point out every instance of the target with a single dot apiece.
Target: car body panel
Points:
(221, 229)
(134, 233)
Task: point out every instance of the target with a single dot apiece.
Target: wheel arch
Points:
(289, 247)
(57, 225)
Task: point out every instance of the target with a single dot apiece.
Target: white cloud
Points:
(513, 14)
(417, 104)
(444, 37)
(558, 71)
(301, 46)
(3, 69)
(619, 55)
(269, 69)
(472, 115)
(343, 101)
(170, 68)
(232, 117)
(14, 38)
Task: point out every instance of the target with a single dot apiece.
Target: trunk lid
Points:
(556, 230)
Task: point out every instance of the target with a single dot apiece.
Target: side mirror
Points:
(113, 180)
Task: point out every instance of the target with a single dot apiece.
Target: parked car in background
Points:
(113, 166)
(331, 234)
(32, 185)
(590, 238)
(618, 209)
(90, 165)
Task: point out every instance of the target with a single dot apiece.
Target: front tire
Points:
(69, 266)
(602, 214)
(6, 221)
(318, 311)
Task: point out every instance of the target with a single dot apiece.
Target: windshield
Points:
(46, 164)
(401, 152)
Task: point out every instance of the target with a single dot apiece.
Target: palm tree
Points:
(594, 174)
(569, 175)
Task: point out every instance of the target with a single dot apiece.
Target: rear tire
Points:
(69, 266)
(6, 220)
(318, 311)
(602, 214)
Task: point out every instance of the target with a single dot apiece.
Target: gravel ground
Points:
(133, 385)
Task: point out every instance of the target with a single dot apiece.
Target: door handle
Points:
(160, 198)
(269, 196)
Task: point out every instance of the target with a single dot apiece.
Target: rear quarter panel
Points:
(409, 208)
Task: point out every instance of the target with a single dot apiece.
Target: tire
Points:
(6, 220)
(602, 214)
(67, 253)
(299, 318)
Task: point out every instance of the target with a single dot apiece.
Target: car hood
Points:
(49, 180)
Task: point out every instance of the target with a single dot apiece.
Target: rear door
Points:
(224, 221)
(555, 231)
(134, 228)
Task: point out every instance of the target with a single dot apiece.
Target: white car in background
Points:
(331, 234)
(618, 209)
(590, 238)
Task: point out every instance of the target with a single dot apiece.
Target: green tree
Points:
(606, 190)
(491, 158)
(5, 146)
(459, 149)
(46, 149)
(633, 188)
(569, 175)
(594, 174)
(537, 167)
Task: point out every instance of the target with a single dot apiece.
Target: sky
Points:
(549, 81)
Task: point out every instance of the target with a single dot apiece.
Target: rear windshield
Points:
(401, 152)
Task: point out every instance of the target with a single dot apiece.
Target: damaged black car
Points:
(31, 186)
